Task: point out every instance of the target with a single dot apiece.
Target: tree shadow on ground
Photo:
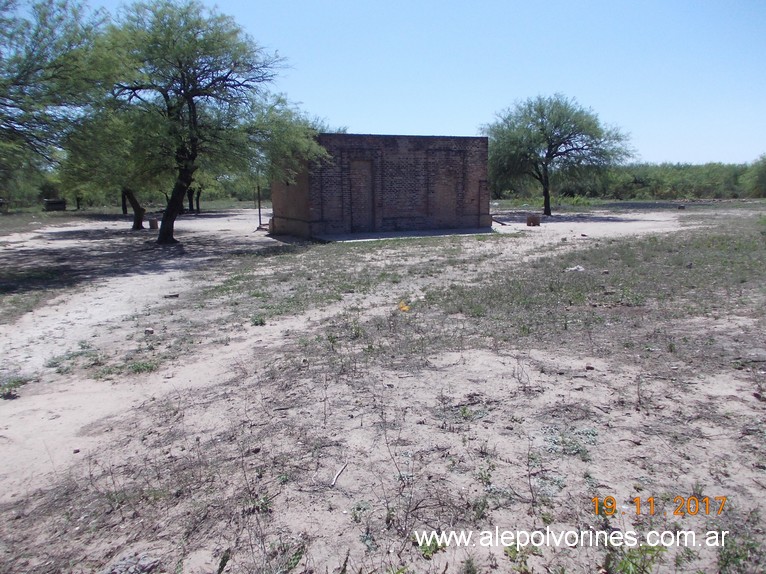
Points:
(649, 204)
(521, 217)
(68, 257)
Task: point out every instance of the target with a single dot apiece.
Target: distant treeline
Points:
(641, 181)
(645, 181)
(31, 186)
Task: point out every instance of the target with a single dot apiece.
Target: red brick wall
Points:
(388, 183)
(292, 207)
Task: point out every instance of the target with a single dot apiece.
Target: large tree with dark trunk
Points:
(544, 137)
(196, 74)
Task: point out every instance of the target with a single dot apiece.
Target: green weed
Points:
(429, 550)
(138, 367)
(519, 558)
(10, 384)
(639, 560)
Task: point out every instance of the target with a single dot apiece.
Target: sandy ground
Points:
(61, 418)
(41, 430)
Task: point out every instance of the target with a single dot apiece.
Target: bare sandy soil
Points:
(257, 459)
(41, 432)
(102, 311)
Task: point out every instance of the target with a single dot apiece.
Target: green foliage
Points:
(429, 550)
(546, 137)
(44, 74)
(520, 557)
(139, 367)
(20, 182)
(639, 560)
(9, 384)
(754, 179)
(194, 75)
(274, 140)
(555, 143)
(280, 140)
(484, 474)
(44, 45)
(746, 551)
(672, 181)
(201, 80)
(114, 148)
(469, 566)
(665, 181)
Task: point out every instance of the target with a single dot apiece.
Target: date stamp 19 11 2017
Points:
(682, 506)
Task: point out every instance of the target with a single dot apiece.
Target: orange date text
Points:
(681, 506)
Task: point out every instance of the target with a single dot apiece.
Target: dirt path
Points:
(42, 432)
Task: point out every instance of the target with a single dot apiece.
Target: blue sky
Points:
(686, 79)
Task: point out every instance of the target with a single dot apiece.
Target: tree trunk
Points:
(176, 203)
(190, 196)
(546, 192)
(124, 203)
(258, 194)
(199, 192)
(138, 211)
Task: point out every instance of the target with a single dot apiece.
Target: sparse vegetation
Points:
(506, 394)
(138, 367)
(245, 405)
(9, 385)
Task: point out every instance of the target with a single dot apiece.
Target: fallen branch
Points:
(337, 474)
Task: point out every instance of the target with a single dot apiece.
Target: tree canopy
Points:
(199, 76)
(113, 151)
(543, 136)
(46, 74)
(755, 178)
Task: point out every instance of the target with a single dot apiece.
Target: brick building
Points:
(387, 183)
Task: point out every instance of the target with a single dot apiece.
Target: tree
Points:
(754, 179)
(280, 140)
(45, 73)
(274, 140)
(113, 151)
(546, 136)
(194, 72)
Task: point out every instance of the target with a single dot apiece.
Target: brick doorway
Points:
(445, 186)
(362, 196)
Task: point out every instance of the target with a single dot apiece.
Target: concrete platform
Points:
(377, 235)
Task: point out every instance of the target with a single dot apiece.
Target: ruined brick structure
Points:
(387, 183)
